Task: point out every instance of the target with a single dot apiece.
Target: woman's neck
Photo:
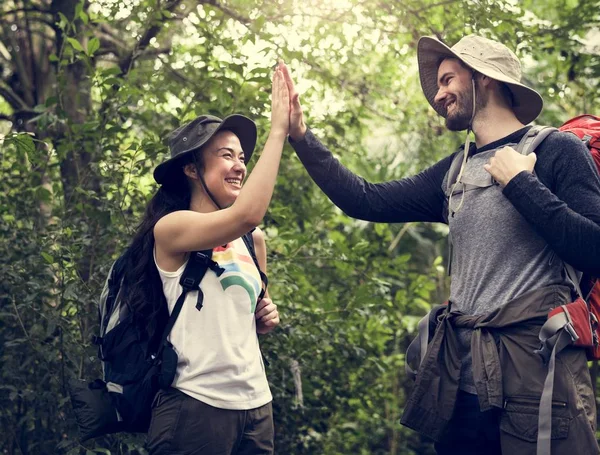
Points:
(202, 203)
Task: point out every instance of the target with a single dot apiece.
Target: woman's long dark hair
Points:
(142, 285)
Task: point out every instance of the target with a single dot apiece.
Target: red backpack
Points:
(575, 323)
(580, 319)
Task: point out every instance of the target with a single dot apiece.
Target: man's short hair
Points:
(506, 94)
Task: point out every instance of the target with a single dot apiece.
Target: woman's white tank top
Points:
(219, 357)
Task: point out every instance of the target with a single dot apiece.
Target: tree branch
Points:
(214, 3)
(153, 52)
(41, 19)
(127, 61)
(108, 44)
(435, 5)
(32, 63)
(24, 10)
(111, 34)
(15, 101)
(6, 117)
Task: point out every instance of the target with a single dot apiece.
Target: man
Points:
(514, 221)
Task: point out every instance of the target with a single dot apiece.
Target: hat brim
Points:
(242, 127)
(527, 103)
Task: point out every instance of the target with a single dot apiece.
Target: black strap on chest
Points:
(197, 265)
(249, 241)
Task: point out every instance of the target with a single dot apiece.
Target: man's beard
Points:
(460, 118)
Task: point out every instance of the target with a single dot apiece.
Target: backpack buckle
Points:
(96, 340)
(215, 267)
(587, 140)
(188, 282)
(571, 331)
(201, 257)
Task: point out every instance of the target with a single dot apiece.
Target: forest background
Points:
(88, 90)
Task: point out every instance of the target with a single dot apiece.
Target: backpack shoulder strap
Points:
(249, 241)
(534, 137)
(454, 170)
(575, 279)
(111, 290)
(197, 265)
(530, 141)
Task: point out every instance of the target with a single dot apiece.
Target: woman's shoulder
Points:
(258, 235)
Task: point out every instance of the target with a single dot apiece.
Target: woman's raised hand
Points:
(280, 103)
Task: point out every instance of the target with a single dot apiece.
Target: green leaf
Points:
(48, 258)
(24, 143)
(237, 68)
(113, 71)
(43, 194)
(93, 46)
(76, 44)
(51, 101)
(62, 24)
(101, 450)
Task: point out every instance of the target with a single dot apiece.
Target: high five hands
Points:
(297, 125)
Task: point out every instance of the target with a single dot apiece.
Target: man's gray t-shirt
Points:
(496, 253)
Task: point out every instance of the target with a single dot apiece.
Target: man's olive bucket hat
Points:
(488, 57)
(193, 135)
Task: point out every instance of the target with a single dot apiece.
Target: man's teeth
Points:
(233, 181)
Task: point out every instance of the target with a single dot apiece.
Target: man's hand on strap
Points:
(507, 163)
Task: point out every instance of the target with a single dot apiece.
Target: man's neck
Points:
(493, 124)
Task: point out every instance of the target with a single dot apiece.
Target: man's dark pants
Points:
(470, 431)
(182, 425)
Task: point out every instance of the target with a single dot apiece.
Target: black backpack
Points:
(134, 371)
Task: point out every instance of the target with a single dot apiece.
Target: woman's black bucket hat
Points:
(193, 135)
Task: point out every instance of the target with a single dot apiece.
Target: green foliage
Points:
(92, 88)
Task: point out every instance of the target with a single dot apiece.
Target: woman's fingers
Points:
(285, 93)
(280, 105)
(288, 79)
(264, 308)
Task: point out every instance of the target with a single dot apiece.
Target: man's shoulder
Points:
(564, 152)
(564, 142)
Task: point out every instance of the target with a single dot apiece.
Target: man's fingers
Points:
(296, 102)
(533, 158)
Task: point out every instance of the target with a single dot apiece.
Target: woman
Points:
(219, 401)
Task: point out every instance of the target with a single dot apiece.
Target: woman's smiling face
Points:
(224, 168)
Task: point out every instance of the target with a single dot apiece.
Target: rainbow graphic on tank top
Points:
(239, 270)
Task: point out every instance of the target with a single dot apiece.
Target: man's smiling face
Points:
(455, 94)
